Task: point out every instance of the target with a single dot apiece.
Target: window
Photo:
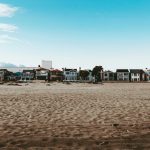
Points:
(125, 79)
(126, 74)
(111, 75)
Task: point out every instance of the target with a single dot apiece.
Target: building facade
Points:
(137, 75)
(122, 74)
(2, 74)
(42, 74)
(70, 74)
(6, 75)
(28, 75)
(56, 75)
(108, 76)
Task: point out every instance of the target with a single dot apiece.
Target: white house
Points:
(70, 74)
(122, 74)
(28, 75)
(137, 75)
(108, 75)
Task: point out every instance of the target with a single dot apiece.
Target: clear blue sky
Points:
(74, 33)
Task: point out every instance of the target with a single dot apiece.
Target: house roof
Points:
(40, 68)
(55, 70)
(3, 70)
(122, 70)
(108, 71)
(6, 71)
(31, 71)
(136, 71)
(70, 69)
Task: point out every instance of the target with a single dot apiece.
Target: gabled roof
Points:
(40, 68)
(122, 70)
(136, 71)
(6, 71)
(108, 71)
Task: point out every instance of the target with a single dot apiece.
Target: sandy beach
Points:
(75, 116)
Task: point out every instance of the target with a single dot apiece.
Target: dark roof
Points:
(3, 70)
(6, 71)
(136, 71)
(31, 71)
(70, 69)
(55, 70)
(122, 70)
(142, 71)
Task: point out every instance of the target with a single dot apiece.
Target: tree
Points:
(83, 74)
(97, 73)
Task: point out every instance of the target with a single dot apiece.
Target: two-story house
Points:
(42, 74)
(70, 74)
(56, 75)
(108, 75)
(28, 75)
(122, 74)
(137, 75)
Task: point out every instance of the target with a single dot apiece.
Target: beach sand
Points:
(76, 116)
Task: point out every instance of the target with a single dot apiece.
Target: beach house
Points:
(108, 75)
(70, 74)
(3, 73)
(28, 75)
(42, 74)
(6, 75)
(90, 77)
(56, 75)
(137, 75)
(122, 74)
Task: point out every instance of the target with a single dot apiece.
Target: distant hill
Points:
(9, 65)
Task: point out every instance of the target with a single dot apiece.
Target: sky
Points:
(76, 33)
